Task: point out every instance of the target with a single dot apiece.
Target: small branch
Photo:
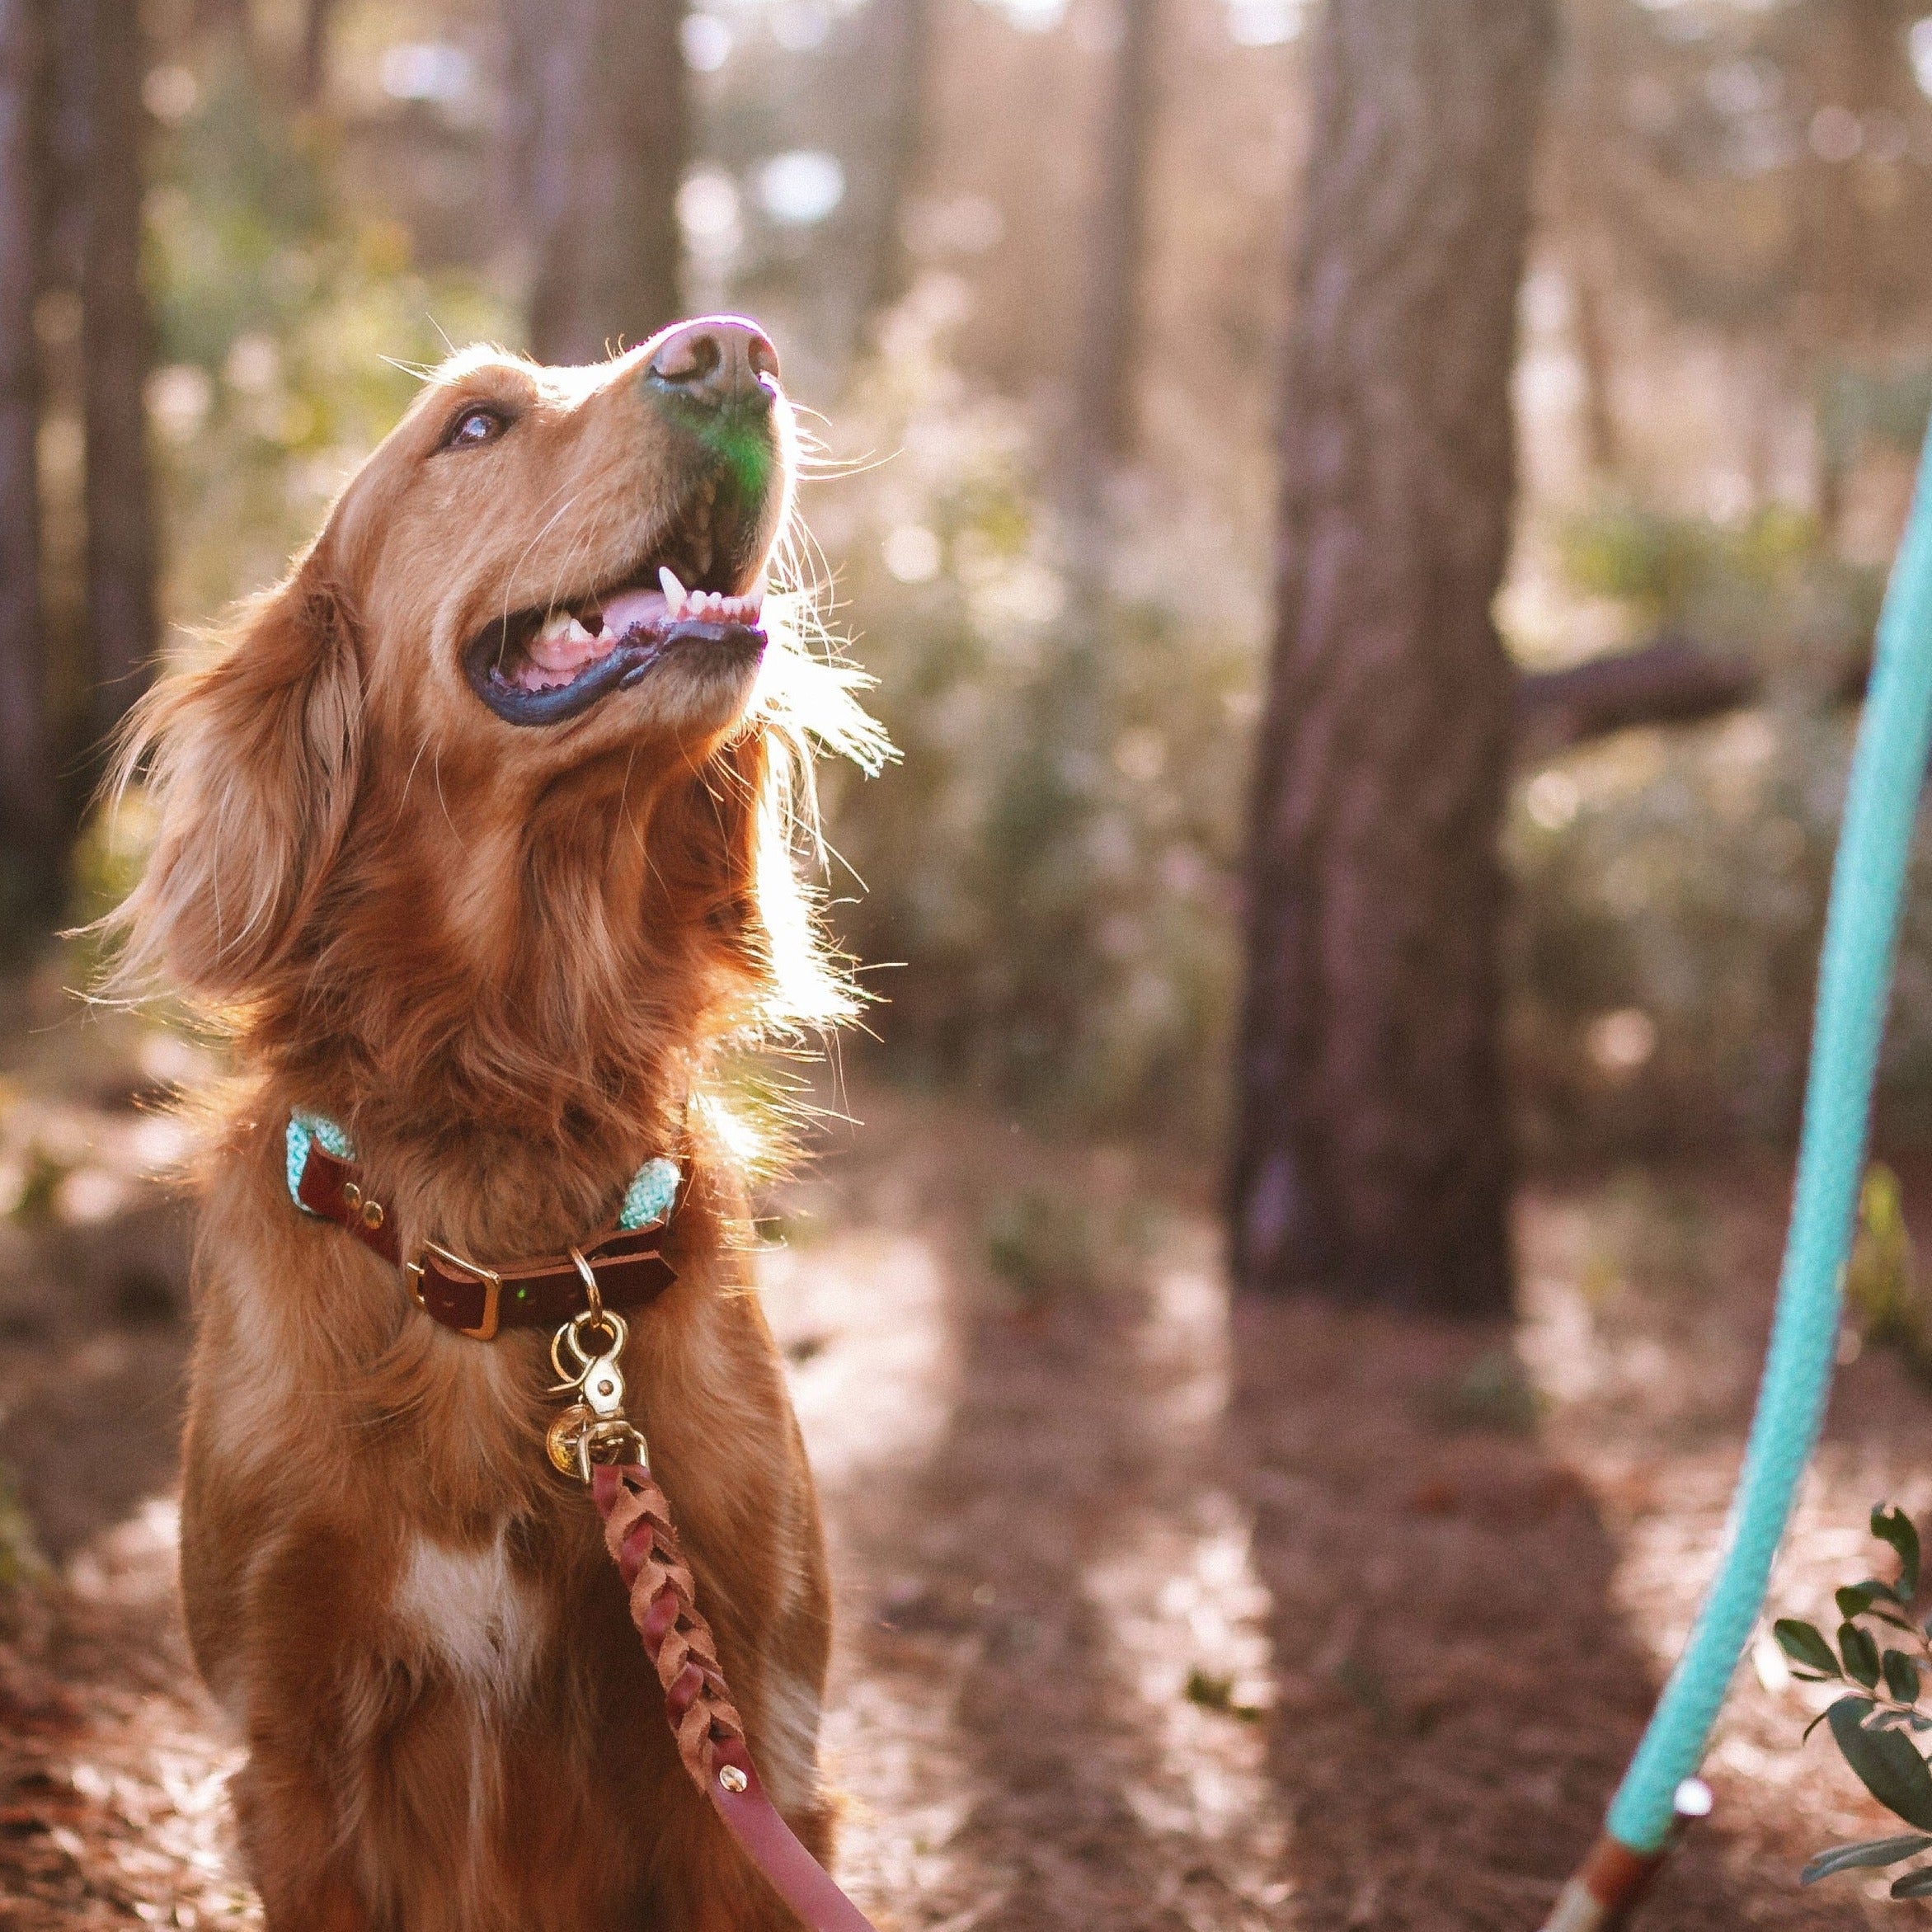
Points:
(1670, 682)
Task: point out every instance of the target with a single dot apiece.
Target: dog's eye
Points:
(475, 426)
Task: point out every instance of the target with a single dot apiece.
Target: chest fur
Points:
(465, 1610)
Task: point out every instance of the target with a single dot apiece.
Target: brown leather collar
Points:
(476, 1300)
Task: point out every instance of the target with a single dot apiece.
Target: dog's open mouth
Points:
(539, 667)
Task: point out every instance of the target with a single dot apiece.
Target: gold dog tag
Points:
(560, 1438)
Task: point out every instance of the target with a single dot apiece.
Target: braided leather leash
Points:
(643, 1542)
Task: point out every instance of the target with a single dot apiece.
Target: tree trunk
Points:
(1371, 1148)
(899, 47)
(602, 115)
(115, 348)
(27, 815)
(1111, 314)
(312, 71)
(1601, 445)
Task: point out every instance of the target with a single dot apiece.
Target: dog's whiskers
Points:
(409, 778)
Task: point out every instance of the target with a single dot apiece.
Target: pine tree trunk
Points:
(603, 118)
(1371, 1155)
(899, 48)
(115, 344)
(28, 876)
(1110, 332)
(312, 71)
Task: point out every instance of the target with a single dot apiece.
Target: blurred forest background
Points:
(1030, 258)
(1162, 359)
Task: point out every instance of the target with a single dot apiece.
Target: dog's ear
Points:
(252, 759)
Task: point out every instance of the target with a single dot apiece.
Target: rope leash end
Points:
(1608, 1887)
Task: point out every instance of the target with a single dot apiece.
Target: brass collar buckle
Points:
(486, 1329)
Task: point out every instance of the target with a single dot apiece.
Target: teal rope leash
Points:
(1855, 977)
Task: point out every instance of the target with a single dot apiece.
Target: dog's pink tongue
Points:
(559, 653)
(633, 610)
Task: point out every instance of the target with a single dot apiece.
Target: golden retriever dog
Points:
(477, 834)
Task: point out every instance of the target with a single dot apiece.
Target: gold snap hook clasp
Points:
(594, 1429)
(589, 1337)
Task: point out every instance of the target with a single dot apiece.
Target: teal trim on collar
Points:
(652, 1190)
(302, 1129)
(647, 1199)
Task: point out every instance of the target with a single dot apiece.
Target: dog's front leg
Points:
(298, 1863)
(294, 1799)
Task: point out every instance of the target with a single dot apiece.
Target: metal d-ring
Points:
(589, 1274)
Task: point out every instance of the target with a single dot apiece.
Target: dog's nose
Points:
(719, 361)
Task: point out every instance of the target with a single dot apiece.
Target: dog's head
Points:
(579, 548)
(521, 723)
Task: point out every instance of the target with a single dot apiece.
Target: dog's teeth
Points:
(578, 635)
(754, 600)
(676, 597)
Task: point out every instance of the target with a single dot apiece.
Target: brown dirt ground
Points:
(1156, 1612)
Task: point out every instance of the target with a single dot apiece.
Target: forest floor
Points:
(1155, 1610)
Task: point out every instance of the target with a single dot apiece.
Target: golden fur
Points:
(505, 958)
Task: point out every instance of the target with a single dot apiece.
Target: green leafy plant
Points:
(21, 1564)
(1873, 1725)
(1882, 1286)
(39, 1185)
(1772, 583)
(1214, 1691)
